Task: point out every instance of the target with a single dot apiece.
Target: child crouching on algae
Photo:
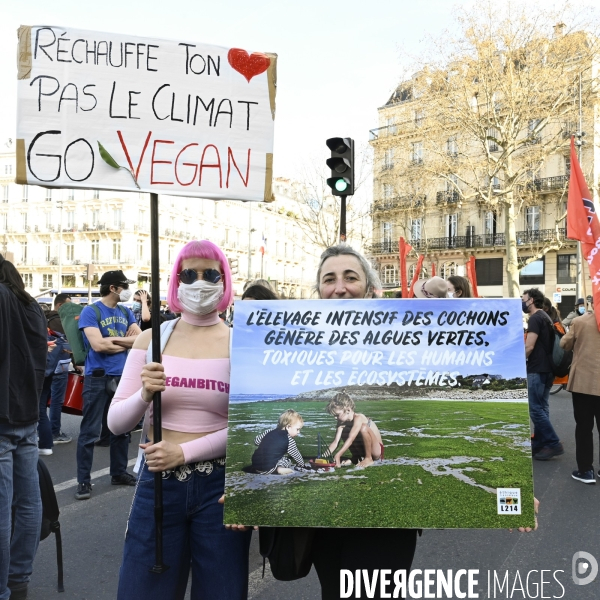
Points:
(359, 433)
(274, 444)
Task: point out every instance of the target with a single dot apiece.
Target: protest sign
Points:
(181, 118)
(429, 396)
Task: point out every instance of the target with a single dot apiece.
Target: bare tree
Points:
(490, 107)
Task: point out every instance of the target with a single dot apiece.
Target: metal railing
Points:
(399, 202)
(450, 196)
(548, 184)
(484, 240)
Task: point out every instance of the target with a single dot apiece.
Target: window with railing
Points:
(95, 218)
(48, 194)
(417, 153)
(70, 219)
(388, 158)
(567, 165)
(418, 118)
(5, 193)
(23, 252)
(95, 250)
(386, 235)
(47, 254)
(492, 140)
(391, 125)
(8, 169)
(388, 190)
(70, 251)
(140, 249)
(532, 218)
(25, 193)
(27, 279)
(117, 214)
(116, 250)
(47, 281)
(96, 195)
(534, 134)
(566, 265)
(416, 227)
(389, 274)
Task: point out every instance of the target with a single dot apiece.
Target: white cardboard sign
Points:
(181, 118)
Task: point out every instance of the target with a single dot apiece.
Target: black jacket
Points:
(23, 350)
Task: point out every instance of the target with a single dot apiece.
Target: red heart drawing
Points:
(248, 65)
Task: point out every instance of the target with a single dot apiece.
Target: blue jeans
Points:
(193, 535)
(57, 393)
(19, 487)
(538, 390)
(44, 427)
(97, 393)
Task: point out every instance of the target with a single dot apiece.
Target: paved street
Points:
(569, 521)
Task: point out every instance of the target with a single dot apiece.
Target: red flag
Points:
(433, 269)
(415, 278)
(472, 275)
(583, 225)
(404, 250)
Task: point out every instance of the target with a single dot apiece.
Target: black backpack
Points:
(560, 359)
(50, 514)
(289, 550)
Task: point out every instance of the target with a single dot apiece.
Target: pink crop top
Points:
(195, 401)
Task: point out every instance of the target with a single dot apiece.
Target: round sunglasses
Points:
(188, 276)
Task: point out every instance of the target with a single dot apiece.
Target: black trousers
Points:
(585, 408)
(352, 549)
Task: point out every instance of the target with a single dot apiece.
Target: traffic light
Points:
(341, 164)
(233, 265)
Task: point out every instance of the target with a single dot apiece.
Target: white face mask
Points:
(125, 295)
(200, 297)
(450, 294)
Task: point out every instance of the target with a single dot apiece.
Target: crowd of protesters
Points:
(111, 344)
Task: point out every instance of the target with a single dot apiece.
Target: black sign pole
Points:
(159, 566)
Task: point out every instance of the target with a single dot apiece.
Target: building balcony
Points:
(548, 184)
(447, 197)
(485, 240)
(399, 203)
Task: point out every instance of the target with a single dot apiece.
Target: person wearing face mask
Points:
(458, 287)
(142, 303)
(109, 329)
(578, 311)
(194, 381)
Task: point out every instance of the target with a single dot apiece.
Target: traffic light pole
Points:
(342, 219)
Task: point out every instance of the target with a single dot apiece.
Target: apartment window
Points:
(411, 273)
(492, 137)
(23, 252)
(48, 217)
(140, 249)
(95, 250)
(8, 169)
(452, 226)
(3, 221)
(70, 251)
(532, 218)
(68, 280)
(391, 125)
(495, 183)
(47, 251)
(71, 194)
(489, 227)
(5, 193)
(141, 219)
(389, 274)
(448, 269)
(388, 190)
(533, 273)
(172, 252)
(24, 221)
(25, 191)
(418, 118)
(417, 153)
(388, 158)
(452, 146)
(27, 279)
(568, 165)
(534, 136)
(116, 249)
(47, 281)
(489, 271)
(70, 219)
(452, 183)
(566, 268)
(96, 195)
(386, 236)
(415, 229)
(48, 194)
(95, 217)
(117, 218)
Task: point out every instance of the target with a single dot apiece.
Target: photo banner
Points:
(379, 413)
(113, 111)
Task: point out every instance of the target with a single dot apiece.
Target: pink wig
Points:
(200, 249)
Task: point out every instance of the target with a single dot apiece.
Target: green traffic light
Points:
(341, 185)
